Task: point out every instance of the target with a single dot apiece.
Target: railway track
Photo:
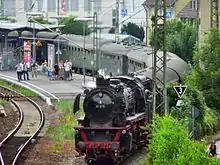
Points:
(31, 121)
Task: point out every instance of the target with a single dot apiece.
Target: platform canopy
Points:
(8, 27)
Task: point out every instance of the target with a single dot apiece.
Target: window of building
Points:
(40, 5)
(193, 4)
(97, 5)
(114, 22)
(52, 6)
(87, 5)
(27, 5)
(72, 5)
(9, 8)
(113, 13)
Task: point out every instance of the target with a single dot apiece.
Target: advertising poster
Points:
(27, 53)
(51, 55)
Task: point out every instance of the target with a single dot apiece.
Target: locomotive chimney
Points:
(100, 81)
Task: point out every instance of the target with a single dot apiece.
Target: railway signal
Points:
(180, 90)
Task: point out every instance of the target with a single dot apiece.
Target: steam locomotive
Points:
(116, 110)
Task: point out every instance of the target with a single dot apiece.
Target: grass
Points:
(17, 88)
(64, 130)
(3, 102)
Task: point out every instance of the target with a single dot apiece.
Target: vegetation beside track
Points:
(17, 88)
(62, 131)
(170, 144)
(3, 102)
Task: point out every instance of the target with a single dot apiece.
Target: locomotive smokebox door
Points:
(100, 81)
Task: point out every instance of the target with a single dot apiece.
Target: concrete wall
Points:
(204, 15)
(205, 18)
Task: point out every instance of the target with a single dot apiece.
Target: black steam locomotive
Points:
(114, 111)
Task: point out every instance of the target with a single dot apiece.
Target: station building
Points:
(14, 37)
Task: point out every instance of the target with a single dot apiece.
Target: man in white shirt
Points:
(70, 72)
(66, 70)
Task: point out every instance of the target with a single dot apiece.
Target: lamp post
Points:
(100, 28)
(147, 15)
(31, 16)
(58, 31)
(84, 20)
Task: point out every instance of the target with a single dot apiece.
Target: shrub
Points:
(170, 144)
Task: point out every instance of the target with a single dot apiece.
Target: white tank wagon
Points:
(176, 67)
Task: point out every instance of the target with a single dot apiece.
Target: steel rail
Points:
(11, 134)
(40, 126)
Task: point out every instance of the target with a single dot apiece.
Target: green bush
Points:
(171, 145)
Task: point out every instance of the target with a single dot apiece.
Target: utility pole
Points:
(146, 28)
(2, 8)
(214, 14)
(197, 20)
(117, 30)
(34, 33)
(34, 43)
(58, 30)
(95, 43)
(159, 85)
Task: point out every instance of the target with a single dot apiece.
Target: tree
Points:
(170, 144)
(74, 27)
(40, 20)
(8, 19)
(134, 30)
(112, 30)
(207, 66)
(180, 39)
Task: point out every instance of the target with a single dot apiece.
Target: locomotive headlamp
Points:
(123, 131)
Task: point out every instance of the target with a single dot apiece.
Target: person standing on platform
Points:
(25, 71)
(56, 68)
(34, 68)
(71, 71)
(66, 70)
(19, 70)
(45, 65)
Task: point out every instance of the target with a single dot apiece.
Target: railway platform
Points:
(51, 88)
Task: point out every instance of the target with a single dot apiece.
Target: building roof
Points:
(109, 36)
(22, 27)
(187, 12)
(78, 40)
(152, 2)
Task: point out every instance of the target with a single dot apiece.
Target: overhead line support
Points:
(159, 62)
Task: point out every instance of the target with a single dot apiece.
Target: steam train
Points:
(116, 109)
